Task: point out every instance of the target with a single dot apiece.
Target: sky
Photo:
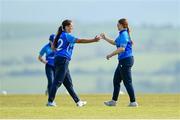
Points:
(156, 12)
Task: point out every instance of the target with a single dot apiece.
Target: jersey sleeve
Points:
(71, 38)
(42, 52)
(122, 40)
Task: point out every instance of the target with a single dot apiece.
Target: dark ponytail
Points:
(59, 32)
(55, 43)
(128, 30)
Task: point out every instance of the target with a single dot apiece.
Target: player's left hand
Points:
(108, 57)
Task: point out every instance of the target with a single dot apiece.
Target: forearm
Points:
(85, 40)
(109, 40)
(119, 50)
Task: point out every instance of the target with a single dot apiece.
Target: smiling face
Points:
(69, 28)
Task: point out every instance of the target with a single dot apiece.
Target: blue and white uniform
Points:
(62, 75)
(123, 70)
(49, 54)
(65, 45)
(123, 40)
(49, 67)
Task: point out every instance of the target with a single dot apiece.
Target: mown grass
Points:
(164, 106)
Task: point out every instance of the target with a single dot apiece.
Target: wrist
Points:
(110, 55)
(113, 54)
(105, 38)
(94, 40)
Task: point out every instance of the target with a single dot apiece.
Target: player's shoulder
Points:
(46, 46)
(64, 35)
(124, 33)
(67, 34)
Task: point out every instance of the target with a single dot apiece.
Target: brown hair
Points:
(124, 23)
(60, 30)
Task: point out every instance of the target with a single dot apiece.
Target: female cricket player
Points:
(49, 62)
(125, 57)
(64, 44)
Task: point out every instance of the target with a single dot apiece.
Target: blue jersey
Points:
(65, 45)
(123, 40)
(49, 54)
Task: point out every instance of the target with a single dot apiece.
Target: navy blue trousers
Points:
(50, 72)
(123, 73)
(62, 76)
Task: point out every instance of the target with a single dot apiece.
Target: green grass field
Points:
(33, 106)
